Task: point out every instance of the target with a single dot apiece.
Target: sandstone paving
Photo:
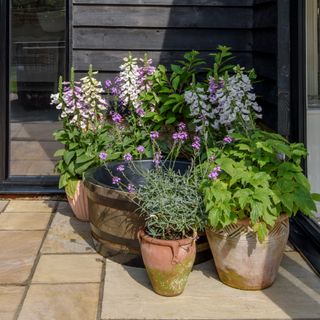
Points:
(24, 220)
(295, 295)
(31, 206)
(67, 234)
(10, 298)
(3, 204)
(68, 268)
(18, 251)
(61, 302)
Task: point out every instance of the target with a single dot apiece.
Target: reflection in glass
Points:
(313, 90)
(37, 59)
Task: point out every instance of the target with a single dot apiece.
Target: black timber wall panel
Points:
(264, 55)
(103, 31)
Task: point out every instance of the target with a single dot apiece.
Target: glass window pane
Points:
(313, 90)
(37, 59)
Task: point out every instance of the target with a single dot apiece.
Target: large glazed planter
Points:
(79, 202)
(167, 262)
(241, 260)
(114, 219)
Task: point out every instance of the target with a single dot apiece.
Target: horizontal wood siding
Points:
(103, 31)
(264, 56)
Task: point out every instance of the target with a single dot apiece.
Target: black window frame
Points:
(34, 185)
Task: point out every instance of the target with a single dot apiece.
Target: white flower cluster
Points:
(200, 107)
(130, 82)
(234, 99)
(82, 104)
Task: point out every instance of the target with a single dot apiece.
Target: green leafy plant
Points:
(257, 176)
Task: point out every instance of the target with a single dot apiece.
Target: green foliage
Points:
(171, 204)
(261, 178)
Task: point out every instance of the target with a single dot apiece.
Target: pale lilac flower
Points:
(103, 155)
(213, 175)
(140, 112)
(196, 144)
(120, 168)
(108, 83)
(227, 139)
(154, 135)
(127, 157)
(131, 188)
(114, 91)
(182, 126)
(140, 149)
(116, 180)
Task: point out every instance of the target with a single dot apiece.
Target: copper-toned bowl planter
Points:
(79, 202)
(241, 260)
(115, 221)
(168, 262)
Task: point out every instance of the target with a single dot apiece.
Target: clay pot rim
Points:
(163, 242)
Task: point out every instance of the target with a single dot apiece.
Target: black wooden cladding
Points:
(103, 31)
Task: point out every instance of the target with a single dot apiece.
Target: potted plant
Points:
(254, 183)
(171, 206)
(84, 135)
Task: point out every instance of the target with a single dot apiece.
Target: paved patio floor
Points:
(50, 271)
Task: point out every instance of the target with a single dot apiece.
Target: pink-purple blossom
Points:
(157, 158)
(103, 155)
(108, 83)
(154, 135)
(127, 157)
(116, 117)
(227, 139)
(196, 143)
(131, 188)
(213, 175)
(182, 126)
(180, 136)
(140, 149)
(116, 180)
(120, 168)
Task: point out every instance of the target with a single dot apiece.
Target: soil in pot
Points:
(79, 202)
(242, 261)
(167, 262)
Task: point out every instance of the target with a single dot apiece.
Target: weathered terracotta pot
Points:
(79, 203)
(241, 260)
(168, 262)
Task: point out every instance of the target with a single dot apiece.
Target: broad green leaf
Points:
(59, 153)
(71, 187)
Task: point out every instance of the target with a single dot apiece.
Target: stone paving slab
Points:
(31, 206)
(3, 204)
(67, 234)
(61, 302)
(24, 220)
(67, 268)
(10, 297)
(18, 251)
(295, 295)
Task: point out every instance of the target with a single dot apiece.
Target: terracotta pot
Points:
(168, 262)
(241, 260)
(79, 203)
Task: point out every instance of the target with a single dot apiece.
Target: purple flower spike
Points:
(182, 126)
(114, 91)
(140, 149)
(131, 188)
(180, 136)
(196, 144)
(154, 135)
(120, 168)
(103, 156)
(108, 84)
(227, 139)
(127, 157)
(116, 180)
